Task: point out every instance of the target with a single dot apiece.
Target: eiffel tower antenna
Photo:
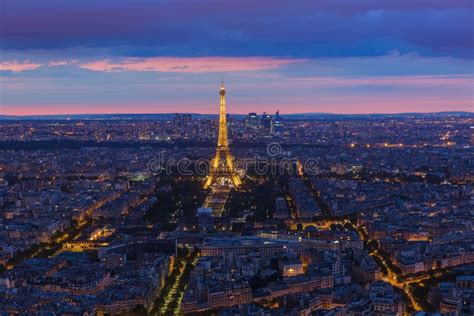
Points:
(222, 165)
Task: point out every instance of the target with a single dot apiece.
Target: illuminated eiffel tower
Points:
(222, 166)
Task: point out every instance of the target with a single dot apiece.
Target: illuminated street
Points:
(392, 277)
(171, 295)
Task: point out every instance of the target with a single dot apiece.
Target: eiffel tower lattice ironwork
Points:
(222, 165)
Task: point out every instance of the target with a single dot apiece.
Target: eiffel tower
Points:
(222, 166)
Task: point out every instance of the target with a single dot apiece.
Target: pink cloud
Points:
(187, 64)
(18, 66)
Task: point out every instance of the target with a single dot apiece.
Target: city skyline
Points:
(146, 57)
(110, 215)
(238, 157)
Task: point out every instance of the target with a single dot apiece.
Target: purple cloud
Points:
(242, 27)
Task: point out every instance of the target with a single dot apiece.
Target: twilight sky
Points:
(166, 56)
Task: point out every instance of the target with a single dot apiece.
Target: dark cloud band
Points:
(241, 27)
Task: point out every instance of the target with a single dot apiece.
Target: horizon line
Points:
(246, 113)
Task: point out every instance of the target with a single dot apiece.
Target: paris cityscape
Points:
(180, 158)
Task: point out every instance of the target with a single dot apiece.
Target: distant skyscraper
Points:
(186, 120)
(177, 120)
(182, 120)
(251, 120)
(278, 122)
(268, 123)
